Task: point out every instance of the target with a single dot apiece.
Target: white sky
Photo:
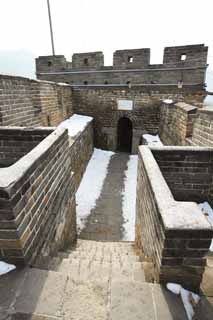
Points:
(99, 25)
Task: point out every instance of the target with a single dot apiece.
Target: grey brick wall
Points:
(37, 202)
(128, 66)
(81, 149)
(203, 128)
(102, 105)
(16, 143)
(176, 123)
(25, 102)
(175, 235)
(187, 171)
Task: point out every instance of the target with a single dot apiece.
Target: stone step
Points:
(83, 270)
(41, 293)
(107, 258)
(52, 295)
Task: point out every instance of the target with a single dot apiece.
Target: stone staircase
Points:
(93, 281)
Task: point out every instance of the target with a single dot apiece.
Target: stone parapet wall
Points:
(131, 65)
(37, 201)
(175, 235)
(203, 128)
(187, 171)
(15, 143)
(81, 149)
(176, 123)
(25, 102)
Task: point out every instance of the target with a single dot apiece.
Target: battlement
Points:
(179, 56)
(192, 55)
(129, 59)
(181, 66)
(88, 60)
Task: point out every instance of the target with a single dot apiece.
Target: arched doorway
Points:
(124, 135)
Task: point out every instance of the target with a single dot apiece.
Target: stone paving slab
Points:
(131, 301)
(85, 301)
(41, 293)
(9, 284)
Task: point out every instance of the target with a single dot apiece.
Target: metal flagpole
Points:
(51, 27)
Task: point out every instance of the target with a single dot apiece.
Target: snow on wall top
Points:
(75, 124)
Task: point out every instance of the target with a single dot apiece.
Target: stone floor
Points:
(106, 220)
(93, 281)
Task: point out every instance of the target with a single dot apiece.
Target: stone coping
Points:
(182, 148)
(175, 214)
(186, 107)
(10, 175)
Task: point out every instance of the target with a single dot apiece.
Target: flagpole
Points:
(51, 28)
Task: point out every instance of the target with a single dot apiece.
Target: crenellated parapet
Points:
(182, 65)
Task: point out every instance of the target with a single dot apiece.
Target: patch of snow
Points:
(75, 124)
(208, 212)
(152, 140)
(129, 199)
(91, 185)
(5, 268)
(189, 299)
(168, 101)
(174, 287)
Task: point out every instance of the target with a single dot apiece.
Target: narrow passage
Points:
(112, 217)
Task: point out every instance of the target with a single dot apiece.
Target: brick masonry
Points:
(203, 128)
(37, 200)
(176, 123)
(25, 102)
(188, 172)
(129, 66)
(102, 104)
(81, 149)
(175, 235)
(16, 143)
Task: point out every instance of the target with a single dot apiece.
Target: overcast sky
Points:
(99, 25)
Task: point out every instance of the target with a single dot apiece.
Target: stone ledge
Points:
(11, 175)
(189, 214)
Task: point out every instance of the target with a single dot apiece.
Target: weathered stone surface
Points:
(35, 103)
(41, 293)
(129, 67)
(86, 300)
(131, 300)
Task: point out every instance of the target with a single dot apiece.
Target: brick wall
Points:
(81, 149)
(176, 123)
(203, 128)
(187, 171)
(102, 104)
(37, 202)
(175, 235)
(15, 143)
(25, 102)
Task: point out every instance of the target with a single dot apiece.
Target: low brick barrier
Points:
(203, 128)
(176, 123)
(175, 235)
(81, 149)
(37, 202)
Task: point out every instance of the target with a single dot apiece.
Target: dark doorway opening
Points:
(124, 135)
